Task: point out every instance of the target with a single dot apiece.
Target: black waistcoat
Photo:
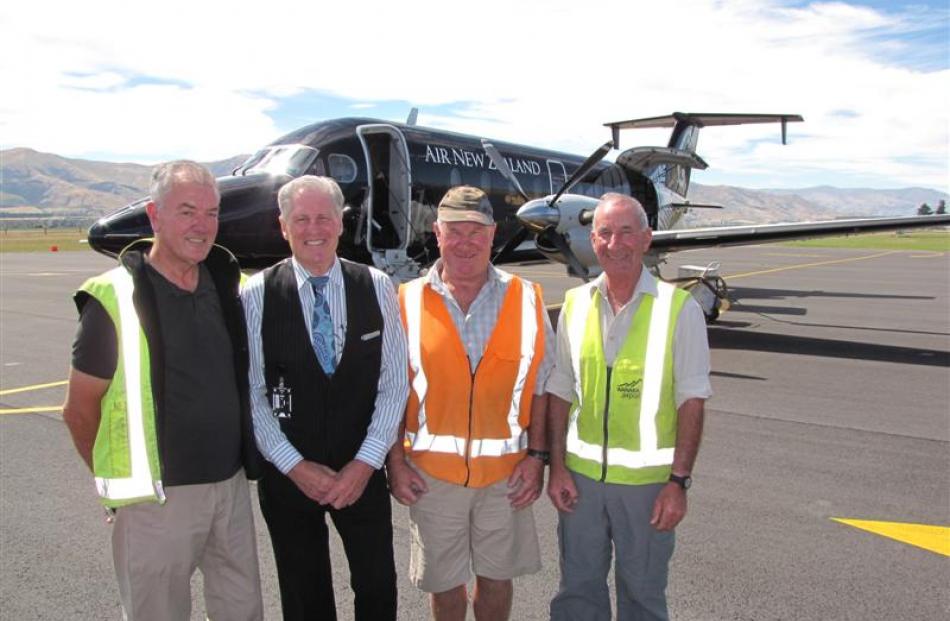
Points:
(330, 415)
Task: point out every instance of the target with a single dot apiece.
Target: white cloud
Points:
(545, 73)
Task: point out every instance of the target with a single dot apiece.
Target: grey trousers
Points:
(156, 549)
(620, 514)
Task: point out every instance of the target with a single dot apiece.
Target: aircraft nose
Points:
(109, 235)
(538, 214)
(96, 236)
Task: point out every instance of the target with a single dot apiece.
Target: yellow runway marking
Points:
(34, 410)
(930, 255)
(926, 536)
(803, 265)
(11, 391)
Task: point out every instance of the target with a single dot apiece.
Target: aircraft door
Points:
(557, 174)
(387, 203)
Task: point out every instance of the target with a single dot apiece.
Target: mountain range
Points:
(37, 186)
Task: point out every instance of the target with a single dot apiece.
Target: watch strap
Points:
(544, 456)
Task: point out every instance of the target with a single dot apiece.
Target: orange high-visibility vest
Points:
(463, 427)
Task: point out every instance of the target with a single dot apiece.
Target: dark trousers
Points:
(299, 536)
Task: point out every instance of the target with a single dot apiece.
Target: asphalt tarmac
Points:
(832, 379)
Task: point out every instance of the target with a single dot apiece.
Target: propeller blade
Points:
(585, 168)
(502, 165)
(513, 242)
(557, 240)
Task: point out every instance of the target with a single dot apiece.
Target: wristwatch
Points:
(684, 481)
(544, 456)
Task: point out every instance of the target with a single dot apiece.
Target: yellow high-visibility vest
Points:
(622, 426)
(125, 455)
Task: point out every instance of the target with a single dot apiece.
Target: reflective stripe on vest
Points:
(464, 427)
(584, 326)
(122, 406)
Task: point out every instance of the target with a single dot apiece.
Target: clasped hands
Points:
(328, 487)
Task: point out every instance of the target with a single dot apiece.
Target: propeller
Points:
(513, 242)
(585, 168)
(549, 234)
(546, 232)
(502, 165)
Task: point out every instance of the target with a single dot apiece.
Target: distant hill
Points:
(42, 185)
(745, 206)
(35, 185)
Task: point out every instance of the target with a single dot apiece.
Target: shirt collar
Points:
(302, 275)
(646, 284)
(495, 277)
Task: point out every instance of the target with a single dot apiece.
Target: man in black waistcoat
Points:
(328, 381)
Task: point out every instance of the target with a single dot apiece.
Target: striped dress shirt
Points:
(393, 387)
(475, 328)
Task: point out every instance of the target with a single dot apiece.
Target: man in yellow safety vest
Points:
(625, 420)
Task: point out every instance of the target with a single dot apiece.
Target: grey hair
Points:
(325, 185)
(616, 197)
(164, 177)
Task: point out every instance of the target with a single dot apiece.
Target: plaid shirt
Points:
(476, 327)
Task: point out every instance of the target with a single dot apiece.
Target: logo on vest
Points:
(630, 390)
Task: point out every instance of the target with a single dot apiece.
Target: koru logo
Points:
(630, 390)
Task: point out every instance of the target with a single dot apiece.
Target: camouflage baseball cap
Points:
(464, 203)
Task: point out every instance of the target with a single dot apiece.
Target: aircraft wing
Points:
(681, 239)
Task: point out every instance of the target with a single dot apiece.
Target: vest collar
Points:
(647, 284)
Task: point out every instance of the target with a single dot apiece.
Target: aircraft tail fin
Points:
(683, 139)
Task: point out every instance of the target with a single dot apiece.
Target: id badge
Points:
(281, 400)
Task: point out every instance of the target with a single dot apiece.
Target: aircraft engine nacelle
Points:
(578, 238)
(564, 224)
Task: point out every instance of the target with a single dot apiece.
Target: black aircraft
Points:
(393, 176)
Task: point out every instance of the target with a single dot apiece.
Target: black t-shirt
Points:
(202, 416)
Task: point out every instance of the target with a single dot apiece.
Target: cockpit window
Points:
(283, 159)
(342, 167)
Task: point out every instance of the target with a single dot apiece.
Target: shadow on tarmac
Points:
(736, 294)
(725, 338)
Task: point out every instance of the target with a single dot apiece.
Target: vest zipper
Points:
(603, 473)
(468, 439)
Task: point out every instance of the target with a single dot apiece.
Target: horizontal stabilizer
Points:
(639, 159)
(681, 120)
(689, 205)
(704, 119)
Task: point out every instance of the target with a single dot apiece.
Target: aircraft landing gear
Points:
(706, 286)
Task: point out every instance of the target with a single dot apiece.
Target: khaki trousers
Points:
(156, 549)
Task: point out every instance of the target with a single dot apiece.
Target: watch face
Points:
(687, 482)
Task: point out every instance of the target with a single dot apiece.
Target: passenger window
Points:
(342, 167)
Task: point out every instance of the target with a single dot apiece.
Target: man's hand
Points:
(405, 484)
(526, 482)
(561, 489)
(313, 479)
(669, 508)
(349, 484)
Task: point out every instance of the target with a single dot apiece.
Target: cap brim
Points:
(458, 215)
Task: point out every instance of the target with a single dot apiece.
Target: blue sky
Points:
(121, 81)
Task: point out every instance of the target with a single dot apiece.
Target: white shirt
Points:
(690, 343)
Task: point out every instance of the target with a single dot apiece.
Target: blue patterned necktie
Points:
(321, 325)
